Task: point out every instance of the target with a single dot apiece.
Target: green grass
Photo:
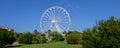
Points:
(49, 45)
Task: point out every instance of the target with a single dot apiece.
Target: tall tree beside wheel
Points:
(106, 34)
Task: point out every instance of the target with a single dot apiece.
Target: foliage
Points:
(39, 39)
(90, 38)
(106, 34)
(25, 38)
(35, 37)
(57, 37)
(6, 37)
(54, 36)
(74, 38)
(29, 38)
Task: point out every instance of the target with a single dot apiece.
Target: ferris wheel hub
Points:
(54, 21)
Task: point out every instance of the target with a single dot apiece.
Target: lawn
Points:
(49, 45)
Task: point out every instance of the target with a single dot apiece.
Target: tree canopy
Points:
(6, 37)
(106, 34)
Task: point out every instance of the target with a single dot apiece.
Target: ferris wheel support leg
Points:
(60, 31)
(47, 36)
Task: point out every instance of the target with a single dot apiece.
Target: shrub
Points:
(25, 38)
(39, 39)
(74, 38)
(57, 37)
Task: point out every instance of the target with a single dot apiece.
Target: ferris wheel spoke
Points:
(59, 13)
(51, 13)
(65, 20)
(45, 27)
(62, 27)
(55, 12)
(63, 17)
(58, 28)
(47, 15)
(45, 20)
(46, 24)
(63, 23)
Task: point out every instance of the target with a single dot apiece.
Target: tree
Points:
(90, 38)
(6, 37)
(38, 38)
(57, 37)
(106, 34)
(74, 38)
(25, 38)
(35, 33)
(109, 32)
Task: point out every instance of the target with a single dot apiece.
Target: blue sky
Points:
(24, 15)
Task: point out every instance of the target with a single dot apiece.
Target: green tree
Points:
(25, 38)
(109, 32)
(74, 37)
(57, 37)
(106, 34)
(42, 38)
(90, 38)
(38, 38)
(6, 37)
(35, 40)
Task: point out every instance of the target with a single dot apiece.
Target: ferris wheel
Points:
(55, 19)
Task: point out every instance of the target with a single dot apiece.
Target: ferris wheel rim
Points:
(68, 15)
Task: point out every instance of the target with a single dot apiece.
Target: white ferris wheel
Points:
(55, 19)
